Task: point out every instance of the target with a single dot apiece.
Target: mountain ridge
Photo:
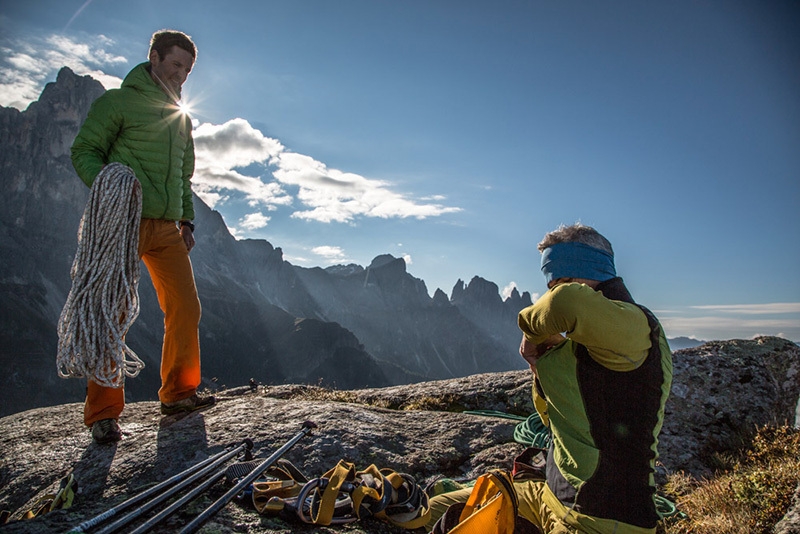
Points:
(263, 318)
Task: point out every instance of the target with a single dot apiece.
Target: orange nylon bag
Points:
(491, 507)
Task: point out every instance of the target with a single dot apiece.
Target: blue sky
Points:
(457, 133)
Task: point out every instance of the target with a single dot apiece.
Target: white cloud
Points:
(331, 254)
(222, 149)
(297, 260)
(209, 195)
(506, 292)
(407, 259)
(336, 196)
(728, 327)
(328, 195)
(26, 65)
(754, 309)
(254, 221)
(234, 144)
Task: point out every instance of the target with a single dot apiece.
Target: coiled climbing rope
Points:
(104, 301)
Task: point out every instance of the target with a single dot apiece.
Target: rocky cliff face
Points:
(263, 318)
(40, 207)
(392, 314)
(481, 303)
(721, 392)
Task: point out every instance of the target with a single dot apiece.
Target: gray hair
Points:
(576, 233)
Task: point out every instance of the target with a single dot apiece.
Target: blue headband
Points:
(576, 260)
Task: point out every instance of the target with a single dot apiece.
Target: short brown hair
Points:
(163, 41)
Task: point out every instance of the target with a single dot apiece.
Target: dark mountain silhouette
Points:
(263, 318)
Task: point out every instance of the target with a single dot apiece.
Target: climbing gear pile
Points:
(103, 302)
(343, 495)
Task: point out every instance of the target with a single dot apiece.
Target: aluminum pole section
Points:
(183, 475)
(246, 481)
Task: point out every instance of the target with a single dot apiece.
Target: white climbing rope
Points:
(104, 301)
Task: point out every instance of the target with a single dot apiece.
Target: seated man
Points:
(602, 371)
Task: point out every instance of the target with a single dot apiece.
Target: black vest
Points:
(622, 408)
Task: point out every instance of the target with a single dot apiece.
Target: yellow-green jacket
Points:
(602, 392)
(138, 125)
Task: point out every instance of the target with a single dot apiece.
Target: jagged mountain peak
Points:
(440, 298)
(351, 269)
(483, 289)
(67, 97)
(385, 259)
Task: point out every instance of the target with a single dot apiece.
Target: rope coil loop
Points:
(103, 302)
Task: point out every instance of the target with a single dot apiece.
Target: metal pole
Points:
(254, 474)
(171, 509)
(108, 514)
(167, 494)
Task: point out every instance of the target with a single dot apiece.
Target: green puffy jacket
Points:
(140, 126)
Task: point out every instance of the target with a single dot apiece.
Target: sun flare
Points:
(185, 107)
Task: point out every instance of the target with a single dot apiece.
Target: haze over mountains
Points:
(263, 318)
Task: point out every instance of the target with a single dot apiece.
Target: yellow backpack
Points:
(491, 508)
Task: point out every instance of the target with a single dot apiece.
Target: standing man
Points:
(140, 125)
(602, 371)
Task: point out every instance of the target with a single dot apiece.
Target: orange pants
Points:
(164, 253)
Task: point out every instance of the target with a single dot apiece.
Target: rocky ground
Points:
(721, 391)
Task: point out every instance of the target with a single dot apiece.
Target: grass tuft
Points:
(751, 496)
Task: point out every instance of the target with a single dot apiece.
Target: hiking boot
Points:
(195, 402)
(106, 431)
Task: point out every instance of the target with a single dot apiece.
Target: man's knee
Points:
(440, 503)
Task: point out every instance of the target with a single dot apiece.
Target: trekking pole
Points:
(167, 494)
(216, 459)
(171, 509)
(243, 483)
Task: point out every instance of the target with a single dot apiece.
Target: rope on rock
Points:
(532, 432)
(103, 302)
